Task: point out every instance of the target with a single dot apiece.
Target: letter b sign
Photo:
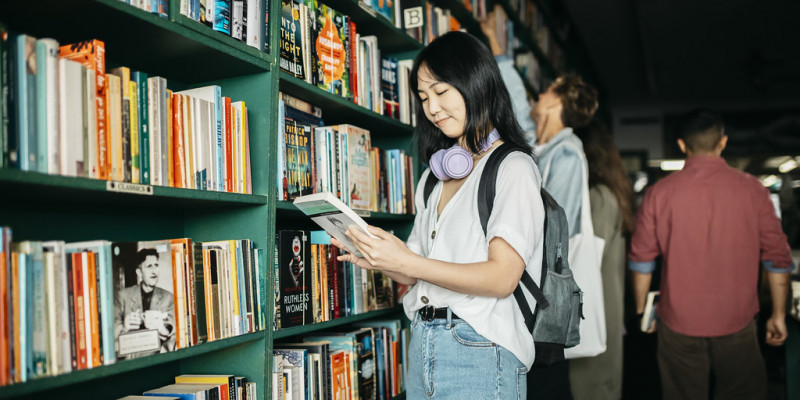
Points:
(413, 17)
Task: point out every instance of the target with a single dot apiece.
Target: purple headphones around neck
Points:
(456, 162)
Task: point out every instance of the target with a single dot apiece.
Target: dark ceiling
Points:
(688, 52)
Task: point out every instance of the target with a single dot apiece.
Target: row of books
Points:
(315, 158)
(439, 21)
(312, 286)
(322, 46)
(158, 7)
(72, 306)
(203, 387)
(366, 361)
(66, 115)
(239, 19)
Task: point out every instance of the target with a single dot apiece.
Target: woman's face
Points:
(442, 103)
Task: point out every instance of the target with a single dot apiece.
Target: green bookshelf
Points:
(307, 329)
(189, 54)
(338, 110)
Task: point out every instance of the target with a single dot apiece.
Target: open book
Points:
(649, 315)
(332, 215)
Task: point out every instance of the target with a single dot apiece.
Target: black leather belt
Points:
(429, 313)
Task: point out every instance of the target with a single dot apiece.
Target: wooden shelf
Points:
(338, 110)
(305, 329)
(83, 376)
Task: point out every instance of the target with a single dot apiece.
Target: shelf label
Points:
(413, 17)
(363, 213)
(124, 187)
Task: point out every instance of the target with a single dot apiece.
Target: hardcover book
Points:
(297, 156)
(294, 267)
(331, 51)
(291, 60)
(358, 166)
(390, 88)
(144, 310)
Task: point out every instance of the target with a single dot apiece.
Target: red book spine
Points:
(94, 314)
(333, 278)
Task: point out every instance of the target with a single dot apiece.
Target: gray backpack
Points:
(554, 323)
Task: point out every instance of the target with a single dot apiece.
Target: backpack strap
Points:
(486, 194)
(430, 182)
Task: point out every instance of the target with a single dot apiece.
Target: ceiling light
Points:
(672, 165)
(769, 180)
(787, 166)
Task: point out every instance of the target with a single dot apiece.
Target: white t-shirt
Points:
(517, 217)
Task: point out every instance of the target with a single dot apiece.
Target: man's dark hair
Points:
(702, 130)
(143, 253)
(578, 100)
(464, 62)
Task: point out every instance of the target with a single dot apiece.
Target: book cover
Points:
(649, 315)
(291, 55)
(358, 166)
(294, 257)
(144, 311)
(331, 57)
(332, 215)
(390, 88)
(47, 106)
(91, 54)
(25, 96)
(297, 140)
(299, 360)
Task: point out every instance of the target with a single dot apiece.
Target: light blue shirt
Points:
(519, 98)
(564, 179)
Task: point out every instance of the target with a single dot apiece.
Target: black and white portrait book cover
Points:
(294, 268)
(144, 308)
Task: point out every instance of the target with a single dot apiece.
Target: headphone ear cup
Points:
(457, 162)
(436, 165)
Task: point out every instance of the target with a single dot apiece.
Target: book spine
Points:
(70, 289)
(94, 309)
(136, 176)
(222, 15)
(169, 132)
(144, 123)
(38, 314)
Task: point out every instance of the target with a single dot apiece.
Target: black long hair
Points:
(464, 62)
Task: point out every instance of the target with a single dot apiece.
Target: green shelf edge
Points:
(53, 382)
(338, 101)
(304, 329)
(95, 185)
(288, 206)
(233, 48)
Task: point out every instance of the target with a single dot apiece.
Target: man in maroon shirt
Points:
(713, 225)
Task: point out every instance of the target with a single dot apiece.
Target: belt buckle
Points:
(427, 313)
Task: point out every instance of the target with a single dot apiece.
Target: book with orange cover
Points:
(15, 356)
(92, 54)
(5, 252)
(178, 157)
(93, 315)
(80, 315)
(179, 296)
(338, 375)
(210, 331)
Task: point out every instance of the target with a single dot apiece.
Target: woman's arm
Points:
(497, 277)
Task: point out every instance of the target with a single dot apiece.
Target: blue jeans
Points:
(447, 359)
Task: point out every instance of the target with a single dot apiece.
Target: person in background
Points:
(611, 197)
(511, 78)
(568, 103)
(713, 225)
(468, 336)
